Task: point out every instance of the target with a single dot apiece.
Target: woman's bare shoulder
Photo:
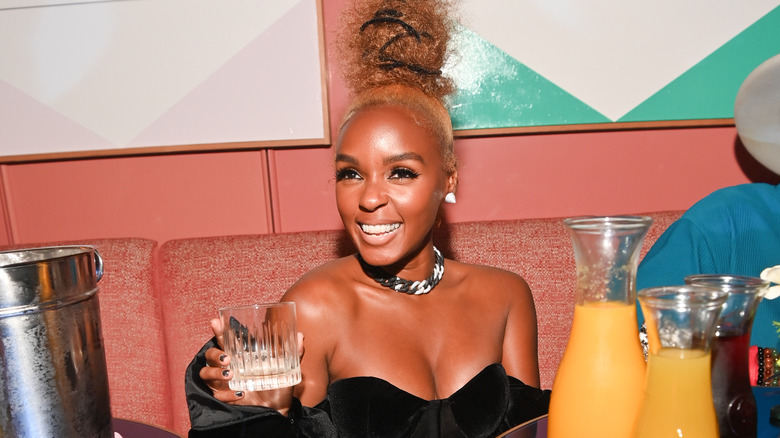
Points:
(506, 288)
(489, 275)
(324, 286)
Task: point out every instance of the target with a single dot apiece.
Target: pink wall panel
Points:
(303, 193)
(157, 197)
(592, 173)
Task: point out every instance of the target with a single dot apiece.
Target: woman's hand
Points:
(216, 376)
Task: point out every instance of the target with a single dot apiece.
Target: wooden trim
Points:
(5, 206)
(327, 139)
(160, 150)
(617, 126)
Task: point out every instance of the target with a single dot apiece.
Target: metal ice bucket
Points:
(54, 381)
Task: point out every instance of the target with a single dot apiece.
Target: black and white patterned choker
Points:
(398, 284)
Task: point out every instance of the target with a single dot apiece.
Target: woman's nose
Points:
(373, 196)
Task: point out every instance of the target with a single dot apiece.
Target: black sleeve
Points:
(212, 418)
(526, 402)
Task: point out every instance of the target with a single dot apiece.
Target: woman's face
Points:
(389, 184)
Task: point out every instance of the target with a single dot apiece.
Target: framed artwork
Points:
(105, 78)
(566, 65)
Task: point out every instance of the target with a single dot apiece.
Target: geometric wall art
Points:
(539, 65)
(122, 77)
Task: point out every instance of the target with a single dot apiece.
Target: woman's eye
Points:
(343, 174)
(404, 173)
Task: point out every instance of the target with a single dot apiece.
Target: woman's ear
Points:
(452, 182)
(452, 185)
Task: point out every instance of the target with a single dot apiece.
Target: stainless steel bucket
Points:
(54, 380)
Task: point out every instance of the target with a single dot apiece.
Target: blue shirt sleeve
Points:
(681, 251)
(736, 231)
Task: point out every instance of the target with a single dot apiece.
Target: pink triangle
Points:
(29, 127)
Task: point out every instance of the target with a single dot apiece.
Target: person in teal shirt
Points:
(734, 231)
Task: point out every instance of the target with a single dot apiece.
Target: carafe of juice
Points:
(677, 399)
(735, 405)
(598, 386)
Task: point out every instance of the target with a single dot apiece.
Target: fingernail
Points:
(222, 357)
(225, 372)
(239, 393)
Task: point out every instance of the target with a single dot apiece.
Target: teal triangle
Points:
(708, 89)
(495, 90)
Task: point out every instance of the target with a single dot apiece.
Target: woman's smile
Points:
(378, 230)
(378, 235)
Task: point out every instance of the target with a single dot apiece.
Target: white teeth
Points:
(379, 229)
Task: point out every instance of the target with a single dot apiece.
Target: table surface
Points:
(766, 397)
(134, 429)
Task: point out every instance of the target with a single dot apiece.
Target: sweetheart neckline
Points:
(379, 380)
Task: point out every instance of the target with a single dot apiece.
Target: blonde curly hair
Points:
(391, 53)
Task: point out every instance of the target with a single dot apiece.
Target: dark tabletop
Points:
(134, 429)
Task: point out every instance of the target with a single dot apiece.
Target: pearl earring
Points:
(450, 198)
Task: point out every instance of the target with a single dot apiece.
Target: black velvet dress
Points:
(486, 406)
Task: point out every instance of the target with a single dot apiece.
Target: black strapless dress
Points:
(486, 406)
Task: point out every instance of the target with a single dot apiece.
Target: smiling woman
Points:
(399, 341)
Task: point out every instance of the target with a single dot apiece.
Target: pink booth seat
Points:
(131, 323)
(198, 276)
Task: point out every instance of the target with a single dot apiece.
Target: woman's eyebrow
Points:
(403, 157)
(346, 158)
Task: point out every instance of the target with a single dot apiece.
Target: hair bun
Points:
(396, 42)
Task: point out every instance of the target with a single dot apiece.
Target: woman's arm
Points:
(318, 319)
(520, 349)
(211, 417)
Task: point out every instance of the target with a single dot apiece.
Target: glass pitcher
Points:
(598, 386)
(678, 399)
(735, 405)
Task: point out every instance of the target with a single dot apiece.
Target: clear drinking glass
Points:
(678, 389)
(735, 404)
(262, 342)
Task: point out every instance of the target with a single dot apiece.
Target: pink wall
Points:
(160, 197)
(202, 194)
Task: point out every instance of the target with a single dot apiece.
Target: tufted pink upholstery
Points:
(197, 276)
(131, 317)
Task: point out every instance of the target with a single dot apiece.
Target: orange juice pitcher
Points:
(678, 399)
(598, 386)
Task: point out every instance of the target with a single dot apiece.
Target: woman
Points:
(454, 355)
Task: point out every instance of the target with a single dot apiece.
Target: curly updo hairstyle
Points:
(391, 53)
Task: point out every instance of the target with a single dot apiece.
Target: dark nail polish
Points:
(239, 393)
(222, 357)
(225, 372)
